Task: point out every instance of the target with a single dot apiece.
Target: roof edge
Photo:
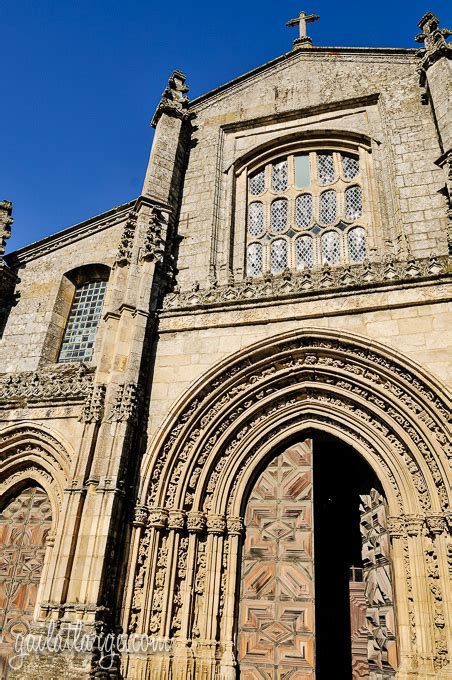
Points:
(390, 51)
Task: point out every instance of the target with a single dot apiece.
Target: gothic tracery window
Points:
(306, 210)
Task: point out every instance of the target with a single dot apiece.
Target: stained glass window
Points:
(255, 218)
(331, 248)
(357, 244)
(304, 252)
(279, 256)
(279, 215)
(303, 210)
(84, 317)
(254, 259)
(279, 176)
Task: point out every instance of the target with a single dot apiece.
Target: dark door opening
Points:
(340, 475)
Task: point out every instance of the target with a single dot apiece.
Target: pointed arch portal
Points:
(225, 431)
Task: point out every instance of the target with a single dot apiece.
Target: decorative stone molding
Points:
(174, 101)
(436, 523)
(235, 526)
(59, 384)
(127, 402)
(154, 244)
(320, 281)
(93, 408)
(396, 527)
(414, 525)
(124, 254)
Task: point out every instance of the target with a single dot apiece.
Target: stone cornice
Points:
(321, 282)
(70, 235)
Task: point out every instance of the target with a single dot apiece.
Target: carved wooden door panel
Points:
(24, 525)
(276, 619)
(380, 617)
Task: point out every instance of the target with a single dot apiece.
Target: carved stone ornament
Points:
(414, 525)
(126, 404)
(216, 524)
(436, 523)
(93, 408)
(140, 516)
(322, 280)
(396, 527)
(434, 39)
(6, 208)
(158, 518)
(124, 254)
(154, 244)
(176, 520)
(235, 526)
(196, 522)
(60, 384)
(174, 101)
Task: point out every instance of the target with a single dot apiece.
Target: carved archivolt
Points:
(202, 465)
(28, 452)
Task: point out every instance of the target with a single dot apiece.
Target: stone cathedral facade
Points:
(224, 405)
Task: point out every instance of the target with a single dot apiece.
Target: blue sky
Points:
(80, 80)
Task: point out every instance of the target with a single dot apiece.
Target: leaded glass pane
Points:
(353, 202)
(303, 210)
(325, 167)
(328, 207)
(278, 256)
(331, 249)
(350, 166)
(279, 176)
(257, 183)
(357, 244)
(254, 259)
(255, 218)
(279, 215)
(84, 317)
(304, 252)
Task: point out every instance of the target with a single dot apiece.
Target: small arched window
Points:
(81, 328)
(306, 210)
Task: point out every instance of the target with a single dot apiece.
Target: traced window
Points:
(80, 334)
(316, 200)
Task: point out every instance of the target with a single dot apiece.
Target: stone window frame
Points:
(70, 281)
(355, 145)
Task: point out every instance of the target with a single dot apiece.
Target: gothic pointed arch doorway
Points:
(315, 587)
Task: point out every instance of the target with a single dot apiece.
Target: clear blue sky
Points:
(80, 80)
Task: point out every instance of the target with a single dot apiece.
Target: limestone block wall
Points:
(369, 92)
(21, 347)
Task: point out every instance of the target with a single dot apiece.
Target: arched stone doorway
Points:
(316, 587)
(189, 521)
(25, 522)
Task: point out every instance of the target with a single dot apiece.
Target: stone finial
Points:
(434, 39)
(302, 20)
(174, 101)
(6, 208)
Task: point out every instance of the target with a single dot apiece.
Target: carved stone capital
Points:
(396, 527)
(140, 516)
(414, 524)
(158, 518)
(436, 523)
(216, 524)
(196, 522)
(235, 526)
(176, 520)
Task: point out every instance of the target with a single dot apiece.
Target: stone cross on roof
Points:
(303, 20)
